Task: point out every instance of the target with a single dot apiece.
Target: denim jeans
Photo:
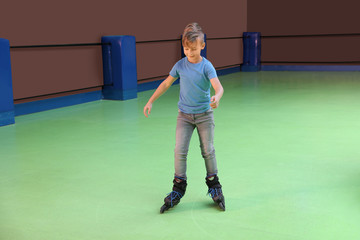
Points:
(186, 123)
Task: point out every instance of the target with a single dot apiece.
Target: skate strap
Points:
(214, 192)
(173, 195)
(181, 178)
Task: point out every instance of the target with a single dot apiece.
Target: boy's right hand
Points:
(147, 109)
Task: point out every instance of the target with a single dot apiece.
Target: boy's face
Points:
(192, 50)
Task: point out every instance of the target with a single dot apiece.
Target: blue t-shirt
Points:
(194, 84)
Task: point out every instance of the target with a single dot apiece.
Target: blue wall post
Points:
(252, 52)
(7, 115)
(119, 67)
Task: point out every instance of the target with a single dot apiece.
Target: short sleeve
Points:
(174, 71)
(210, 71)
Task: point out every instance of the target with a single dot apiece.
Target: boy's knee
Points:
(181, 153)
(208, 154)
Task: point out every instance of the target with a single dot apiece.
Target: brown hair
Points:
(192, 32)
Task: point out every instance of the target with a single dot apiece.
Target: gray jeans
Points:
(186, 123)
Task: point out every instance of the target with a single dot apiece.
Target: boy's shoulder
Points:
(183, 61)
(207, 62)
(180, 64)
(183, 65)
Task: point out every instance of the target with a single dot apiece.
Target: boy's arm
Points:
(163, 87)
(219, 91)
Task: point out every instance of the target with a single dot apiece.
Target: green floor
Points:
(288, 155)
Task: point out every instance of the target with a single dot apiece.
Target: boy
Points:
(196, 74)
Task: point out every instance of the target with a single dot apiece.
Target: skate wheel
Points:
(164, 208)
(222, 206)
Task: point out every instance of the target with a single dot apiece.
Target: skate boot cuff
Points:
(178, 191)
(213, 183)
(179, 186)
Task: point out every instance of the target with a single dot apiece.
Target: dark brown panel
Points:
(40, 71)
(283, 17)
(46, 71)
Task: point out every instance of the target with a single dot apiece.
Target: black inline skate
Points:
(174, 197)
(215, 191)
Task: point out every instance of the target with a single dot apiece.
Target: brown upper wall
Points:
(303, 17)
(284, 17)
(45, 71)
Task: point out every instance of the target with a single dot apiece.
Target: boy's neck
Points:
(196, 60)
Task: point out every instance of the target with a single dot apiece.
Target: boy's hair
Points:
(191, 33)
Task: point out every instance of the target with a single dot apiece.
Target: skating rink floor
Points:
(288, 151)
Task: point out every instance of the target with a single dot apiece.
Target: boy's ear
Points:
(202, 46)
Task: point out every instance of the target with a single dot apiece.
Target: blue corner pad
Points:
(119, 67)
(7, 118)
(6, 89)
(251, 51)
(119, 94)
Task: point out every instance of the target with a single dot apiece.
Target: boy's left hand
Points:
(214, 102)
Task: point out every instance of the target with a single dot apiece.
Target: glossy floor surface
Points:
(287, 145)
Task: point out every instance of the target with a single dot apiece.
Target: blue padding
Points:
(119, 67)
(251, 52)
(228, 71)
(310, 68)
(52, 103)
(152, 85)
(250, 68)
(118, 94)
(6, 90)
